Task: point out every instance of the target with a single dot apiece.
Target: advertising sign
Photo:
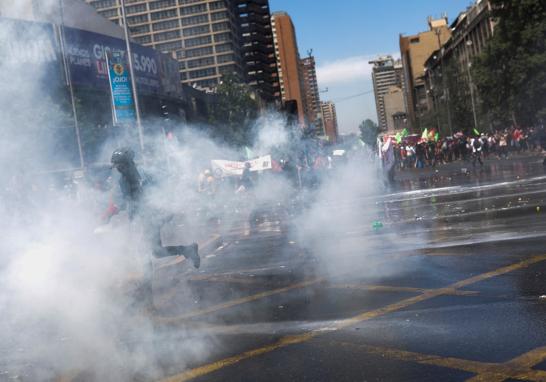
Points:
(234, 168)
(31, 50)
(86, 53)
(120, 85)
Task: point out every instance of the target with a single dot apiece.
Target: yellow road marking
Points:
(296, 339)
(207, 369)
(214, 277)
(239, 301)
(518, 368)
(389, 288)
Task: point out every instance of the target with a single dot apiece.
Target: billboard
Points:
(120, 85)
(31, 50)
(86, 54)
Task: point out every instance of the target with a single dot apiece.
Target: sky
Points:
(346, 34)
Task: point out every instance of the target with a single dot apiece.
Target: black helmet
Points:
(122, 156)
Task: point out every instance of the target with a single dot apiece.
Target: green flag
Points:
(476, 131)
(436, 136)
(249, 153)
(405, 132)
(398, 137)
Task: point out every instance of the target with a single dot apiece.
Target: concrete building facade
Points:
(258, 48)
(386, 73)
(311, 90)
(204, 36)
(471, 31)
(395, 109)
(414, 51)
(288, 63)
(330, 120)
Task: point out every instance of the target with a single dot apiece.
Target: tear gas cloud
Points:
(63, 307)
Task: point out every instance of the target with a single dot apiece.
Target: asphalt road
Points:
(439, 277)
(452, 287)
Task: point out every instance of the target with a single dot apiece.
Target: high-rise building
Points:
(258, 50)
(311, 90)
(204, 36)
(330, 120)
(415, 50)
(288, 63)
(386, 73)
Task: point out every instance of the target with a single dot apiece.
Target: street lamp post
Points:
(470, 83)
(132, 73)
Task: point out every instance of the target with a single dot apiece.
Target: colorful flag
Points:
(425, 134)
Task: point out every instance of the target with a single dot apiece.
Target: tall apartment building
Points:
(330, 120)
(310, 88)
(386, 73)
(288, 63)
(415, 50)
(204, 36)
(258, 49)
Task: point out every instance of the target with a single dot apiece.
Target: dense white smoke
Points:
(63, 284)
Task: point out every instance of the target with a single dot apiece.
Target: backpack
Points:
(477, 143)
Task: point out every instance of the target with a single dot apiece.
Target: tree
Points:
(369, 132)
(233, 112)
(511, 73)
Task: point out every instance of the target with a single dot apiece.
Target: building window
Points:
(217, 5)
(224, 48)
(136, 9)
(139, 29)
(201, 29)
(222, 37)
(162, 4)
(225, 58)
(200, 62)
(171, 24)
(227, 69)
(169, 46)
(137, 19)
(219, 16)
(198, 52)
(220, 27)
(199, 19)
(414, 40)
(204, 40)
(163, 14)
(184, 2)
(199, 8)
(110, 13)
(143, 39)
(105, 4)
(202, 73)
(167, 35)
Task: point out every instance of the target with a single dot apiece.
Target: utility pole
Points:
(468, 43)
(69, 83)
(132, 73)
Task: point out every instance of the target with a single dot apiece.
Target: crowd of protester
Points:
(429, 153)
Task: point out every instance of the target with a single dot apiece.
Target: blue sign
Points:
(120, 85)
(86, 53)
